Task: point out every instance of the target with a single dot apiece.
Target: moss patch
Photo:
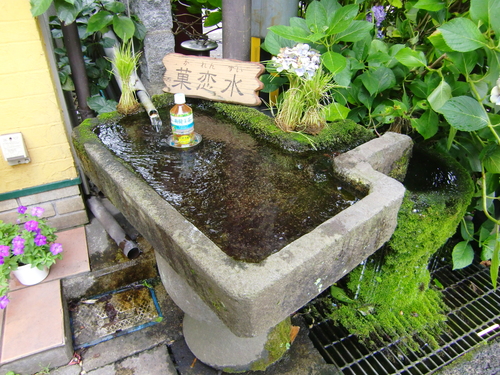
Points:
(278, 342)
(390, 292)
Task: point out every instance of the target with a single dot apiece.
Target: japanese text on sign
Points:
(214, 79)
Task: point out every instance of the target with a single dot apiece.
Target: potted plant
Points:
(27, 246)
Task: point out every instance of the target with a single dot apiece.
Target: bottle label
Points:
(182, 124)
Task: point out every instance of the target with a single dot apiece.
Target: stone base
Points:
(216, 346)
(211, 341)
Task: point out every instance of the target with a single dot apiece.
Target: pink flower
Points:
(31, 225)
(56, 248)
(4, 250)
(4, 301)
(22, 209)
(40, 240)
(18, 245)
(37, 211)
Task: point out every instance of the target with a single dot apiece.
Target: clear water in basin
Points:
(248, 198)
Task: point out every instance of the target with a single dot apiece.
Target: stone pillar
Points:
(156, 15)
(211, 341)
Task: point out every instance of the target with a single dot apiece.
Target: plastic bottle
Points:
(181, 120)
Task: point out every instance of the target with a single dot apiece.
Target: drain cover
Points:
(112, 314)
(474, 318)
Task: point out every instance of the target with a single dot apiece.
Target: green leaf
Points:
(464, 61)
(357, 30)
(273, 43)
(101, 105)
(411, 58)
(462, 255)
(440, 95)
(430, 5)
(299, 22)
(486, 11)
(379, 80)
(213, 19)
(271, 83)
(39, 7)
(488, 247)
(495, 263)
(490, 157)
(123, 27)
(342, 18)
(99, 21)
(467, 230)
(465, 113)
(316, 17)
(462, 35)
(339, 294)
(334, 62)
(66, 12)
(115, 7)
(427, 124)
(336, 111)
(437, 40)
(291, 32)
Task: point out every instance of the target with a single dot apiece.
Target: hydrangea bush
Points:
(303, 106)
(29, 241)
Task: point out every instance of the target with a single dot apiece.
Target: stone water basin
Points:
(233, 308)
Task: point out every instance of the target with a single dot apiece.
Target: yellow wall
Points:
(28, 103)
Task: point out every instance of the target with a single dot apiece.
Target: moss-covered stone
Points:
(390, 292)
(278, 342)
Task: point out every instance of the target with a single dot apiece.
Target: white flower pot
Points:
(28, 275)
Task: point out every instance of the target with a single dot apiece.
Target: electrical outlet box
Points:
(14, 149)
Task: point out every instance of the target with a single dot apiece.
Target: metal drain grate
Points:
(112, 314)
(474, 318)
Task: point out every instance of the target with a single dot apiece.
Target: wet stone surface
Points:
(250, 199)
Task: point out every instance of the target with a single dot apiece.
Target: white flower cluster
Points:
(300, 60)
(495, 94)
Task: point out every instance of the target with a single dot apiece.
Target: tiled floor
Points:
(25, 329)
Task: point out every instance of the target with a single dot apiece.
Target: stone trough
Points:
(235, 311)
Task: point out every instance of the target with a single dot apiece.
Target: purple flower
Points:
(31, 225)
(56, 248)
(4, 250)
(37, 211)
(379, 14)
(40, 240)
(4, 301)
(18, 245)
(22, 209)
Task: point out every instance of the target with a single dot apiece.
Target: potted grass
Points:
(27, 249)
(124, 64)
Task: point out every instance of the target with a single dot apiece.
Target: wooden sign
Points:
(222, 80)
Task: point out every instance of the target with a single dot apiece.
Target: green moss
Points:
(400, 167)
(278, 342)
(392, 288)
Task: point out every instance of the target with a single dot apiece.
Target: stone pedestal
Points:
(211, 341)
